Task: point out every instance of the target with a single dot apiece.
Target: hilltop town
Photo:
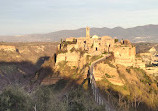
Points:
(98, 64)
(94, 63)
(123, 51)
(49, 60)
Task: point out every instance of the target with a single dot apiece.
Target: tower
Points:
(87, 32)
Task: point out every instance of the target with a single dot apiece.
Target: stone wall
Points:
(125, 56)
(60, 57)
(139, 63)
(72, 59)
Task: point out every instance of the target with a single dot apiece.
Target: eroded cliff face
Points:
(118, 74)
(73, 65)
(20, 61)
(128, 83)
(109, 72)
(10, 52)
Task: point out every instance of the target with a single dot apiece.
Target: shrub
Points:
(116, 40)
(128, 70)
(14, 99)
(62, 51)
(94, 58)
(105, 52)
(72, 49)
(107, 75)
(46, 100)
(81, 100)
(146, 79)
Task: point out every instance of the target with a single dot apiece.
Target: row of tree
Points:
(15, 98)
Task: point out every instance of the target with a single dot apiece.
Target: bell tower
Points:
(87, 32)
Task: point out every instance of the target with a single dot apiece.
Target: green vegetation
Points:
(8, 69)
(72, 50)
(116, 40)
(82, 52)
(46, 98)
(94, 58)
(69, 72)
(82, 101)
(105, 52)
(61, 51)
(92, 46)
(138, 56)
(145, 78)
(106, 86)
(149, 65)
(128, 70)
(88, 57)
(109, 63)
(140, 91)
(65, 43)
(15, 99)
(107, 75)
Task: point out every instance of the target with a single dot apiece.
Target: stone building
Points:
(93, 43)
(150, 57)
(124, 52)
(125, 55)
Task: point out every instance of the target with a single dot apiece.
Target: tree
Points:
(14, 98)
(81, 100)
(116, 40)
(46, 100)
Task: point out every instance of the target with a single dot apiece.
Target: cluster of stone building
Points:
(124, 52)
(150, 57)
(151, 60)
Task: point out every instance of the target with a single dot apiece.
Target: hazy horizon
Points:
(21, 34)
(18, 17)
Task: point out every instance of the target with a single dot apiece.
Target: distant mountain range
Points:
(147, 33)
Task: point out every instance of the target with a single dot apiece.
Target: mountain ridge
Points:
(146, 33)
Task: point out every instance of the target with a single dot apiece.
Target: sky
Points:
(43, 16)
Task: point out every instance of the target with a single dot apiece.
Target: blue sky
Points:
(42, 16)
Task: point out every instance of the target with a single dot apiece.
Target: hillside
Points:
(145, 47)
(127, 87)
(32, 64)
(20, 61)
(147, 33)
